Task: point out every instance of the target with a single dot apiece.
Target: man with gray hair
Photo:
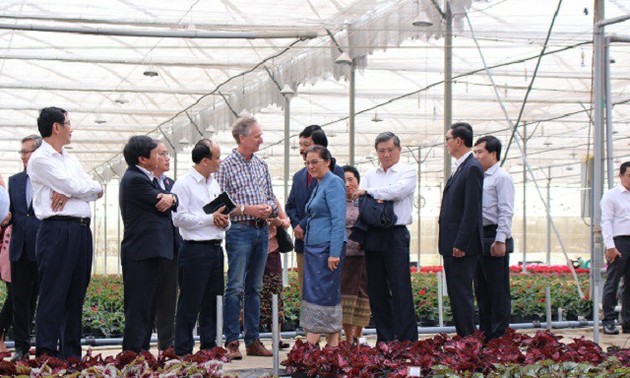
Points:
(245, 177)
(387, 250)
(25, 280)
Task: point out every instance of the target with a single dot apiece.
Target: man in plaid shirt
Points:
(245, 177)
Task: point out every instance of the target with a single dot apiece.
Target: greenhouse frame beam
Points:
(151, 33)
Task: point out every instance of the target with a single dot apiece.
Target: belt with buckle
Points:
(210, 242)
(85, 221)
(258, 223)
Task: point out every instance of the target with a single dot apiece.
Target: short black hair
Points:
(463, 131)
(623, 167)
(319, 138)
(353, 170)
(308, 130)
(202, 150)
(385, 137)
(493, 144)
(137, 146)
(47, 117)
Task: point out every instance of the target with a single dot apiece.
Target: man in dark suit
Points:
(461, 227)
(148, 239)
(301, 189)
(167, 284)
(22, 251)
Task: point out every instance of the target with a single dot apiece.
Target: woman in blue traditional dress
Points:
(324, 250)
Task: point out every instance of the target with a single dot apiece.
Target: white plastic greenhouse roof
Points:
(85, 64)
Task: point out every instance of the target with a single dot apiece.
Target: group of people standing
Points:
(170, 242)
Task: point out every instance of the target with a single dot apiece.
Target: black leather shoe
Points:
(19, 355)
(610, 329)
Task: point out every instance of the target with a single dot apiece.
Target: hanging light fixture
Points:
(376, 118)
(98, 119)
(151, 71)
(184, 141)
(422, 20)
(121, 99)
(287, 90)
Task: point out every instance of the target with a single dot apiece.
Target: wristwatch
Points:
(242, 208)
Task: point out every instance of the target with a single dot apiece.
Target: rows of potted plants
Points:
(513, 355)
(203, 364)
(103, 314)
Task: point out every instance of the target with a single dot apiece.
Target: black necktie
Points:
(156, 183)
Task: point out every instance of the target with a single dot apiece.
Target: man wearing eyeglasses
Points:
(24, 277)
(387, 250)
(62, 193)
(461, 226)
(167, 277)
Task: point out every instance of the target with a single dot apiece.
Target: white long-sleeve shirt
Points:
(398, 184)
(51, 171)
(194, 192)
(615, 205)
(498, 201)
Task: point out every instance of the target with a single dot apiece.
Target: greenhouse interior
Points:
(548, 78)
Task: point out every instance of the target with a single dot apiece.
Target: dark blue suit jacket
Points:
(298, 197)
(23, 219)
(461, 224)
(177, 237)
(148, 232)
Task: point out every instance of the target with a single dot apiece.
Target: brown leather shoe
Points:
(233, 352)
(258, 349)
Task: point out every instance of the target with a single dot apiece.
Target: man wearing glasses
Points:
(22, 251)
(167, 277)
(461, 226)
(62, 193)
(387, 250)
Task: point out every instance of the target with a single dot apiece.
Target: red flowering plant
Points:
(455, 356)
(203, 364)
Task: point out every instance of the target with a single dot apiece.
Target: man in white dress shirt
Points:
(62, 193)
(492, 279)
(389, 280)
(615, 205)
(200, 260)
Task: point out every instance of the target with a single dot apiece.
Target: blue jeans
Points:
(246, 247)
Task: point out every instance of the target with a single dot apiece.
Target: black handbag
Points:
(285, 243)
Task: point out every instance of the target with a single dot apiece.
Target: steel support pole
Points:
(548, 307)
(609, 126)
(219, 339)
(548, 216)
(598, 168)
(448, 82)
(105, 228)
(275, 334)
(524, 265)
(351, 113)
(174, 165)
(419, 196)
(287, 165)
(440, 299)
(94, 235)
(599, 69)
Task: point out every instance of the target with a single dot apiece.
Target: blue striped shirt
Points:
(248, 182)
